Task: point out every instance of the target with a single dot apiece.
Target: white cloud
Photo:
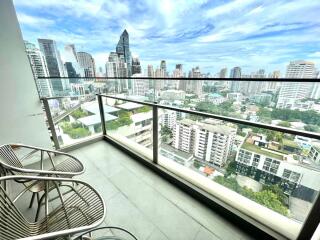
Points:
(315, 54)
(34, 21)
(235, 5)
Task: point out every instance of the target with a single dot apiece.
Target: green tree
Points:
(269, 197)
(79, 113)
(143, 109)
(231, 168)
(311, 128)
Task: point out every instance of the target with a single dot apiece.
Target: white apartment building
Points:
(139, 86)
(39, 69)
(208, 142)
(169, 119)
(291, 92)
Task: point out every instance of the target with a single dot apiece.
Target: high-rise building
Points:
(123, 49)
(54, 64)
(71, 72)
(178, 72)
(39, 69)
(206, 141)
(150, 71)
(163, 67)
(223, 73)
(274, 86)
(256, 87)
(86, 62)
(235, 85)
(159, 84)
(195, 86)
(169, 119)
(139, 86)
(117, 68)
(290, 92)
(136, 67)
(70, 55)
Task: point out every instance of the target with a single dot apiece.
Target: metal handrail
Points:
(304, 80)
(224, 118)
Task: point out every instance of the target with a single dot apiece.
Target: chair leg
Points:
(32, 200)
(39, 206)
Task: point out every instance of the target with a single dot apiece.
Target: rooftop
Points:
(254, 148)
(96, 119)
(218, 128)
(129, 106)
(93, 107)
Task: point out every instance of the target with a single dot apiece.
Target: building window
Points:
(256, 160)
(291, 175)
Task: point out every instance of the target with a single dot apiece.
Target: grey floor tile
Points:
(122, 213)
(165, 215)
(168, 212)
(204, 234)
(157, 235)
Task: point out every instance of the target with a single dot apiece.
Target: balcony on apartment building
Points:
(151, 182)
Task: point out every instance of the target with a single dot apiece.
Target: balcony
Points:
(198, 178)
(146, 167)
(145, 203)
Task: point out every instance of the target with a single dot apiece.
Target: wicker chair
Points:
(74, 213)
(10, 163)
(9, 160)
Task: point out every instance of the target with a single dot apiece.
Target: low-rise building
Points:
(270, 165)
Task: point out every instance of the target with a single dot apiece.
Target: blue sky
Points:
(213, 34)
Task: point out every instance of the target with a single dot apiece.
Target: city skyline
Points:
(258, 35)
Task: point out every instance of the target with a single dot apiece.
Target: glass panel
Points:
(75, 119)
(130, 124)
(265, 169)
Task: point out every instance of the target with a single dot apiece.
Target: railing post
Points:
(50, 123)
(155, 133)
(103, 122)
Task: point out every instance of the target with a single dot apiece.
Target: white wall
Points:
(21, 115)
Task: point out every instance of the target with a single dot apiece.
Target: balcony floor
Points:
(145, 204)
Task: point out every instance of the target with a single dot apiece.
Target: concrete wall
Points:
(21, 114)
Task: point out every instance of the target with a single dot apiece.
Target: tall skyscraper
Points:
(235, 85)
(70, 55)
(159, 84)
(136, 67)
(254, 87)
(123, 48)
(71, 72)
(235, 72)
(150, 71)
(115, 68)
(163, 67)
(178, 72)
(195, 86)
(291, 92)
(274, 86)
(39, 69)
(54, 64)
(86, 62)
(223, 73)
